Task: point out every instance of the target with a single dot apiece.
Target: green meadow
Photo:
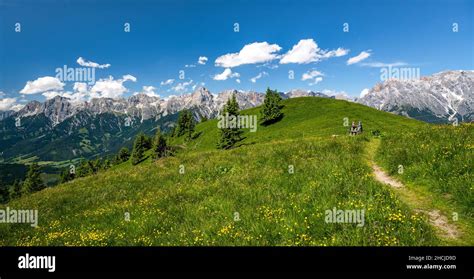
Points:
(273, 189)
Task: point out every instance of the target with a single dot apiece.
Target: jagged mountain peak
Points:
(440, 97)
(201, 94)
(31, 108)
(145, 106)
(294, 93)
(142, 97)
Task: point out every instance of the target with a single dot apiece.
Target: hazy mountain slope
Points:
(81, 135)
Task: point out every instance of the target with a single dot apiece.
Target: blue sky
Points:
(165, 36)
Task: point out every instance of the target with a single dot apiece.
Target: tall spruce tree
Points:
(33, 181)
(123, 155)
(186, 124)
(4, 192)
(84, 169)
(107, 164)
(147, 142)
(190, 125)
(138, 152)
(15, 190)
(229, 135)
(271, 108)
(160, 147)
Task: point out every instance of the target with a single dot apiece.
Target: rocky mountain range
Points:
(438, 98)
(144, 107)
(101, 126)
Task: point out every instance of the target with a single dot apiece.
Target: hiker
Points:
(359, 127)
(353, 128)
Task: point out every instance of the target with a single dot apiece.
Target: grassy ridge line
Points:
(307, 116)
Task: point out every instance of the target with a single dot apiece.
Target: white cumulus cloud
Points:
(316, 81)
(259, 76)
(10, 104)
(167, 82)
(311, 75)
(227, 73)
(111, 88)
(77, 97)
(42, 84)
(364, 92)
(202, 60)
(149, 91)
(356, 59)
(129, 77)
(52, 94)
(258, 52)
(80, 87)
(314, 76)
(85, 63)
(182, 86)
(336, 53)
(307, 51)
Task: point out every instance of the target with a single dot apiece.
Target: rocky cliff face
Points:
(437, 98)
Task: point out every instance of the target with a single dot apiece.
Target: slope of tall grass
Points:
(440, 158)
(246, 196)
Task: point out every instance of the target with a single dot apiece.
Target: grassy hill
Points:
(274, 189)
(310, 116)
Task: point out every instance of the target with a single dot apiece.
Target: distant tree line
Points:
(31, 184)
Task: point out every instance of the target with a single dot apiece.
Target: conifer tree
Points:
(190, 125)
(33, 181)
(85, 169)
(107, 164)
(230, 134)
(96, 165)
(160, 147)
(14, 190)
(4, 192)
(186, 124)
(123, 155)
(138, 152)
(271, 108)
(147, 142)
